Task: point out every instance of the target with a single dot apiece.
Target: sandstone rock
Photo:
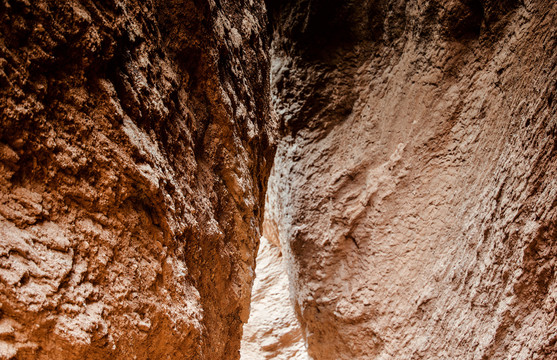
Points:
(135, 143)
(414, 191)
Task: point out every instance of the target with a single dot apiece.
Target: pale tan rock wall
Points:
(414, 191)
(135, 141)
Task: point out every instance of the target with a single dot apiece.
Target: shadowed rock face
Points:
(135, 143)
(414, 190)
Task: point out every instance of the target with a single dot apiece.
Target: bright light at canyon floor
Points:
(272, 331)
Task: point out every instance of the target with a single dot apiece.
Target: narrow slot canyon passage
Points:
(399, 158)
(272, 331)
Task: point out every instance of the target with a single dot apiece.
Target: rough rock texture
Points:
(272, 332)
(135, 141)
(415, 190)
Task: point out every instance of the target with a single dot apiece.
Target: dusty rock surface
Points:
(135, 141)
(415, 190)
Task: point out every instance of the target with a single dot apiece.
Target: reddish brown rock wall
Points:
(135, 141)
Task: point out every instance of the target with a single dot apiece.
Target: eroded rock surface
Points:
(135, 141)
(415, 190)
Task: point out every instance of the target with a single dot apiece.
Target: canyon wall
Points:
(135, 144)
(414, 193)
